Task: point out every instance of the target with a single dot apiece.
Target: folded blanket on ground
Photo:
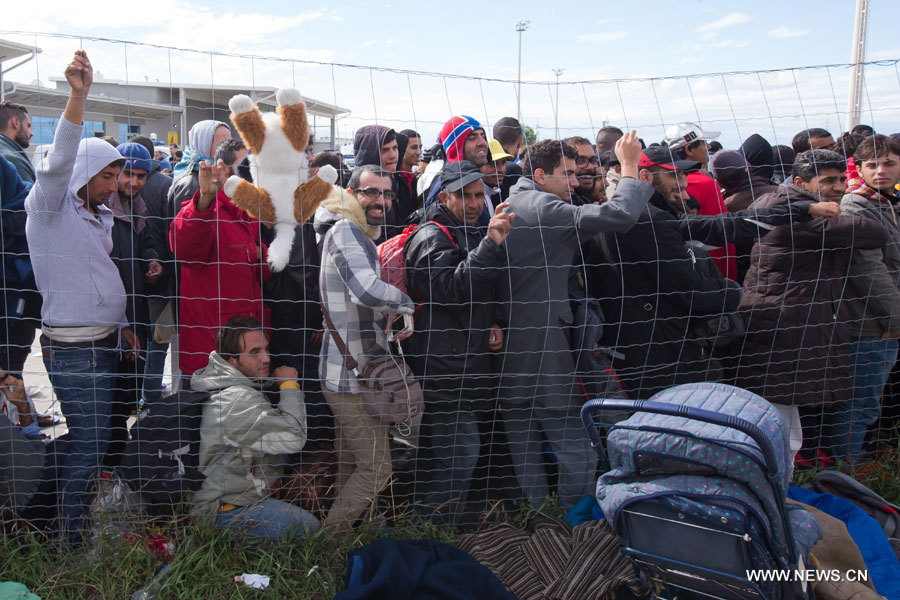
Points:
(837, 551)
(550, 559)
(881, 562)
(417, 569)
(843, 486)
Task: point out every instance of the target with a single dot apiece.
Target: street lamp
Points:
(557, 72)
(521, 25)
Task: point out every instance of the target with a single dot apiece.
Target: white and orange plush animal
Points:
(282, 193)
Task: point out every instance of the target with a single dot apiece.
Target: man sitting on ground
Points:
(242, 435)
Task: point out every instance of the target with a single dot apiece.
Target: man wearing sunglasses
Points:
(587, 166)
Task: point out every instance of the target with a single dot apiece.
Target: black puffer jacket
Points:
(455, 281)
(796, 349)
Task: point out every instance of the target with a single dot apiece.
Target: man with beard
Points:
(15, 136)
(667, 288)
(462, 138)
(136, 253)
(358, 304)
(587, 164)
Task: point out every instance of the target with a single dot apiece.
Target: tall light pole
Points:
(521, 25)
(557, 72)
(854, 103)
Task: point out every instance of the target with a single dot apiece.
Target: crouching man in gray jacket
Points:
(242, 436)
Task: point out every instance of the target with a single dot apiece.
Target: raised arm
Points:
(622, 210)
(751, 224)
(51, 188)
(193, 234)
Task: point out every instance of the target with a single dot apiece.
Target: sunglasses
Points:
(582, 160)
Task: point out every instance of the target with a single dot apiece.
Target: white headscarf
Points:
(200, 137)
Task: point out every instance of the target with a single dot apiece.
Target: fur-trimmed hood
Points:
(341, 205)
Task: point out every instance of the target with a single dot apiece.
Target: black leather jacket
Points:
(452, 282)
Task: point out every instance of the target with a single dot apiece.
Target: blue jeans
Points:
(153, 371)
(873, 359)
(82, 378)
(270, 519)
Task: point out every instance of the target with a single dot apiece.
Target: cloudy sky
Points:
(622, 62)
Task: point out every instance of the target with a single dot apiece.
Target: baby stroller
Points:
(696, 493)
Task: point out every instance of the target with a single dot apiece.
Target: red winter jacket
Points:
(705, 190)
(221, 274)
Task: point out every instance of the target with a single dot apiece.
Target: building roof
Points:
(11, 50)
(53, 98)
(206, 93)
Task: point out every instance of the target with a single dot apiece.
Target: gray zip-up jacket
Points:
(873, 294)
(242, 436)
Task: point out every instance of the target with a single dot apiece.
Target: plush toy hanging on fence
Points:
(284, 194)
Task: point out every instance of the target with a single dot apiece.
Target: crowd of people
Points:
(538, 276)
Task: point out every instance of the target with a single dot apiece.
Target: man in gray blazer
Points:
(539, 390)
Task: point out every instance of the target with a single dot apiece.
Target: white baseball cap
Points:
(683, 134)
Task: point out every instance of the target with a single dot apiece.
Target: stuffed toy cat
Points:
(282, 193)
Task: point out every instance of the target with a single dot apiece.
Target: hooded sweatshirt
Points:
(758, 152)
(367, 145)
(78, 281)
(242, 435)
(353, 293)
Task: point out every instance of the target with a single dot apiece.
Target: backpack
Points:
(161, 460)
(392, 255)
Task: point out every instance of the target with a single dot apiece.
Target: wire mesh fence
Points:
(226, 340)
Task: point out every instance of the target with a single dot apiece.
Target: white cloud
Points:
(600, 38)
(787, 32)
(735, 18)
(730, 43)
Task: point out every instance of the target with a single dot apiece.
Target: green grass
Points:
(207, 559)
(881, 475)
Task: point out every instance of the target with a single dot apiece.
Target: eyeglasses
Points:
(583, 160)
(376, 193)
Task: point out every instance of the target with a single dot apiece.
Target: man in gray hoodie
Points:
(83, 312)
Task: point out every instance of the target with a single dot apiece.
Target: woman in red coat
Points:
(223, 266)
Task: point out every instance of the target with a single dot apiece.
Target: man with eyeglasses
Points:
(358, 304)
(587, 164)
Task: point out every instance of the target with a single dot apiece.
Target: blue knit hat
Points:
(136, 156)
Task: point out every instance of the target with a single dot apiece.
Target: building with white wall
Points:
(122, 109)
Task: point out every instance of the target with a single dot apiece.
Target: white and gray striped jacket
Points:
(353, 292)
